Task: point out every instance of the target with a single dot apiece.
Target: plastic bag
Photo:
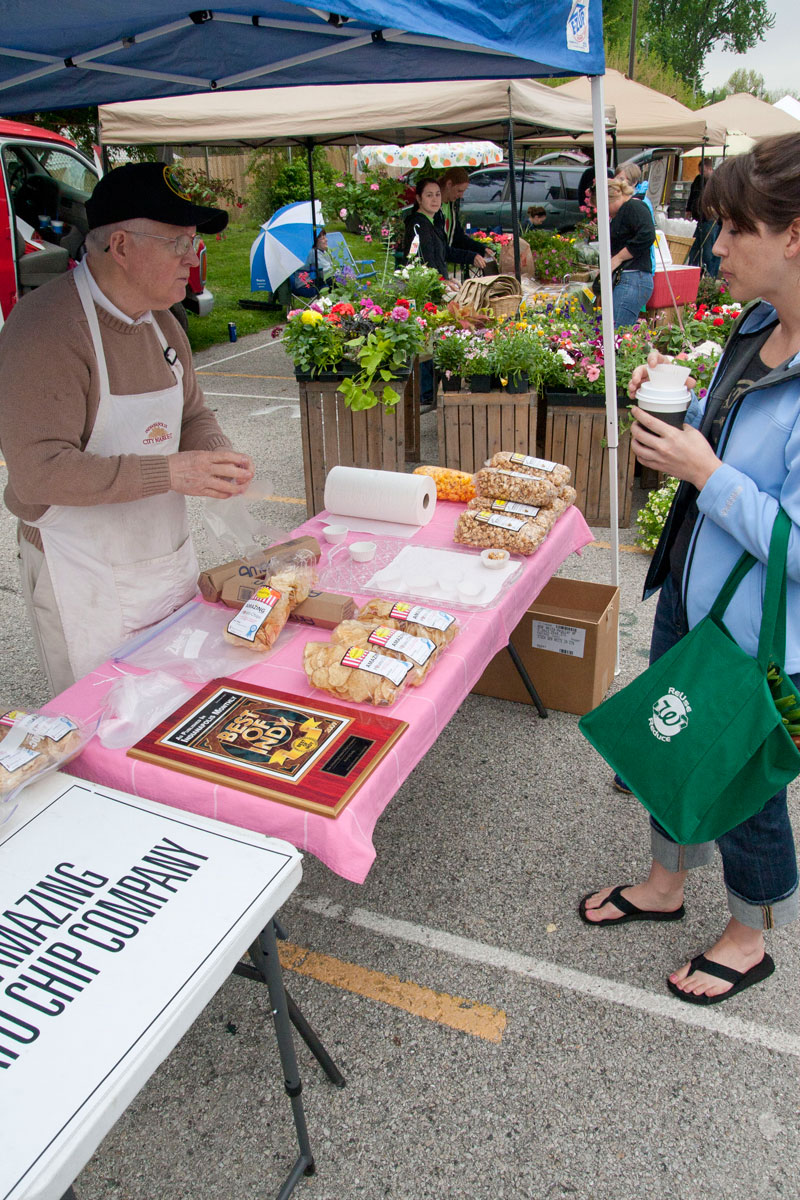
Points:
(232, 529)
(33, 744)
(135, 704)
(261, 619)
(450, 484)
(189, 644)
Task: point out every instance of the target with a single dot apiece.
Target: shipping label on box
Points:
(562, 639)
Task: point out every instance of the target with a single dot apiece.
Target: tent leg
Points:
(310, 152)
(513, 186)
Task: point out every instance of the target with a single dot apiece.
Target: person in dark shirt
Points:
(632, 235)
(701, 253)
(424, 235)
(461, 249)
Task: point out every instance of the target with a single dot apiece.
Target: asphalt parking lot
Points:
(493, 1045)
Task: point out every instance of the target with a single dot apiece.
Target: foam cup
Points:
(668, 376)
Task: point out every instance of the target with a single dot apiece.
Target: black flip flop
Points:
(630, 911)
(739, 979)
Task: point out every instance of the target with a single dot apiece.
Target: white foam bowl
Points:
(363, 551)
(494, 559)
(335, 533)
(668, 376)
(470, 591)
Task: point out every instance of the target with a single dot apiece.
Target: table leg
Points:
(264, 953)
(526, 679)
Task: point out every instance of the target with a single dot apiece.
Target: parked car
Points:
(44, 175)
(487, 201)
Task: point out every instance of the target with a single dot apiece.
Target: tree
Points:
(682, 32)
(746, 81)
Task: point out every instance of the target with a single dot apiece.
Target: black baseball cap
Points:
(150, 190)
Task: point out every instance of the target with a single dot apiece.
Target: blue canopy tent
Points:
(96, 51)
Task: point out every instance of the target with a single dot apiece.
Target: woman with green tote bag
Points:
(738, 457)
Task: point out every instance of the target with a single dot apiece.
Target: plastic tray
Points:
(426, 573)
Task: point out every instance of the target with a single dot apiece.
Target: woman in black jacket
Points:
(425, 236)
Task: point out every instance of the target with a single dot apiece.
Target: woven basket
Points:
(679, 247)
(501, 294)
(505, 306)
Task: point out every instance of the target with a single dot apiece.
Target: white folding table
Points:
(119, 920)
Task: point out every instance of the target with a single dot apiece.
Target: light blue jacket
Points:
(760, 453)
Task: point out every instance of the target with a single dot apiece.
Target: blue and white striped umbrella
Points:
(283, 245)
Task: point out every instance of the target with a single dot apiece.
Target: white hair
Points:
(97, 239)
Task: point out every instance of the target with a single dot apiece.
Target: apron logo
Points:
(670, 715)
(156, 433)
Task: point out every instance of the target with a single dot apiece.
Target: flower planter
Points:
(479, 383)
(453, 384)
(474, 427)
(344, 368)
(572, 431)
(517, 386)
(333, 434)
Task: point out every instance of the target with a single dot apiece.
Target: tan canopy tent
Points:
(390, 112)
(749, 115)
(646, 117)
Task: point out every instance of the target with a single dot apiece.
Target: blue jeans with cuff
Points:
(758, 857)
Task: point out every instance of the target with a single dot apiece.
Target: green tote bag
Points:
(698, 737)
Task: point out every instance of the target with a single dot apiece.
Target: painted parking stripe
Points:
(479, 1020)
(608, 991)
(241, 375)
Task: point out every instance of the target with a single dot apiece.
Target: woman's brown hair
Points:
(760, 186)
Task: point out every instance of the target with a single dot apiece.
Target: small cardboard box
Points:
(325, 610)
(567, 641)
(211, 581)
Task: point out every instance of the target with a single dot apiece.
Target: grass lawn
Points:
(229, 280)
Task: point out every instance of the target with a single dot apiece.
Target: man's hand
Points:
(215, 473)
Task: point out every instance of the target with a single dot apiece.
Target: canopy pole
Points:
(513, 185)
(609, 348)
(310, 153)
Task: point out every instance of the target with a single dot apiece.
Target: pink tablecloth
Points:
(345, 843)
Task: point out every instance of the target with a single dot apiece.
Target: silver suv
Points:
(487, 201)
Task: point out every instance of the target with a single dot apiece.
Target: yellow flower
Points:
(503, 381)
(311, 317)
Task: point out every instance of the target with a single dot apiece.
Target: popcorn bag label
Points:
(542, 464)
(254, 613)
(514, 524)
(431, 618)
(417, 649)
(12, 760)
(513, 506)
(392, 669)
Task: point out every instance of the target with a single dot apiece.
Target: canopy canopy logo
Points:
(670, 715)
(578, 26)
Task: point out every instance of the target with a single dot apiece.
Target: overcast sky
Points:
(775, 58)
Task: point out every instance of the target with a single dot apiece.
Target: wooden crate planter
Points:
(573, 431)
(475, 425)
(334, 435)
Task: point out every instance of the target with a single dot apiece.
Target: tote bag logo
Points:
(670, 715)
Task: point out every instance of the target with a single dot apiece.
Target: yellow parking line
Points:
(239, 375)
(286, 499)
(479, 1020)
(626, 548)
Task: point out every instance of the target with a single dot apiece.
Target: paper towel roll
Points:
(381, 495)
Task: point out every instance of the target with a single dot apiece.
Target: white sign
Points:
(118, 918)
(562, 639)
(578, 26)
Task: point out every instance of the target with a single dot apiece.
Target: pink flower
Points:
(384, 232)
(399, 313)
(592, 373)
(367, 237)
(374, 187)
(343, 213)
(340, 185)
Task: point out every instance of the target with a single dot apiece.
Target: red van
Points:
(45, 182)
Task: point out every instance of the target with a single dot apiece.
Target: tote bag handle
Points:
(772, 636)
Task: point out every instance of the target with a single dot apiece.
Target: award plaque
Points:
(272, 744)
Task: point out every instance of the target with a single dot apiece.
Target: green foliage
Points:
(79, 124)
(370, 204)
(207, 189)
(649, 68)
(650, 519)
(682, 32)
(554, 255)
(275, 181)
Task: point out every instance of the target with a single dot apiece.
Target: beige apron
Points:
(116, 568)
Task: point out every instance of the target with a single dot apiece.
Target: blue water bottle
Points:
(231, 331)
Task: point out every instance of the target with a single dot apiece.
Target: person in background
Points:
(632, 235)
(586, 186)
(632, 174)
(105, 430)
(461, 249)
(536, 216)
(702, 250)
(738, 456)
(318, 267)
(425, 239)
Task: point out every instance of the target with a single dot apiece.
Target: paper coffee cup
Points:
(668, 376)
(667, 406)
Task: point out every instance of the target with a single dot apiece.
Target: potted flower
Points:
(384, 344)
(314, 340)
(477, 365)
(449, 353)
(516, 352)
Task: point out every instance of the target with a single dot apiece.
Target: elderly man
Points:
(104, 428)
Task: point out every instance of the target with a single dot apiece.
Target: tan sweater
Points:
(49, 394)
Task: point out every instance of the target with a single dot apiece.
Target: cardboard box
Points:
(567, 641)
(325, 610)
(210, 582)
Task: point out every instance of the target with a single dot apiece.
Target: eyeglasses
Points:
(180, 245)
